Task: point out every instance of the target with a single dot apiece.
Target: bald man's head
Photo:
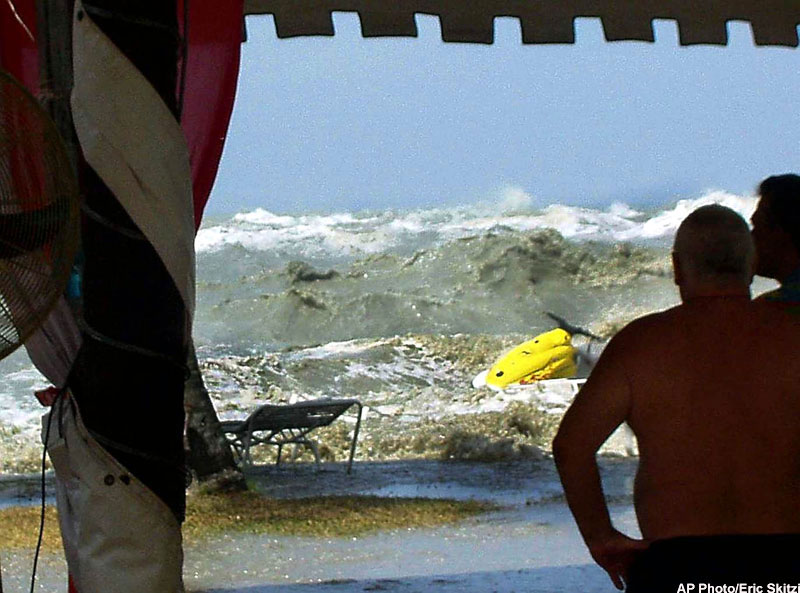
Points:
(713, 246)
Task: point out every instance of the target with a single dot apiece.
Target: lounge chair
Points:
(281, 425)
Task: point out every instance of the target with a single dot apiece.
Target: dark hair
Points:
(783, 195)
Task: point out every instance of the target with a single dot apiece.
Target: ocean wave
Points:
(493, 282)
(356, 235)
(261, 230)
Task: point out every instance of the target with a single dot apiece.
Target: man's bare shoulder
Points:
(638, 339)
(645, 327)
(776, 319)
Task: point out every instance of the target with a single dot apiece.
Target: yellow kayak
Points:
(550, 355)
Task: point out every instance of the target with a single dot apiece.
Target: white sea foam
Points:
(666, 222)
(339, 349)
(262, 217)
(29, 376)
(623, 210)
(345, 234)
(261, 230)
(515, 199)
(400, 370)
(18, 406)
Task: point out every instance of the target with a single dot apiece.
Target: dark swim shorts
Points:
(716, 560)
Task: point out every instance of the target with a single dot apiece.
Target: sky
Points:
(342, 123)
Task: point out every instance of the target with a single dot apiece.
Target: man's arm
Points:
(600, 407)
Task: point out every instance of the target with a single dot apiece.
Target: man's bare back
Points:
(711, 389)
(717, 423)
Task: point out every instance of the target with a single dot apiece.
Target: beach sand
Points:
(530, 544)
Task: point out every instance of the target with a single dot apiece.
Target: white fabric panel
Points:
(54, 346)
(118, 536)
(136, 146)
(543, 21)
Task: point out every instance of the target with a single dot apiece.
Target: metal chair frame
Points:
(282, 425)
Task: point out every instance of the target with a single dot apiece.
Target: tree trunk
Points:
(208, 454)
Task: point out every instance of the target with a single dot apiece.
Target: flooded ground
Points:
(530, 544)
(530, 549)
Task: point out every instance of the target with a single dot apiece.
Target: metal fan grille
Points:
(38, 215)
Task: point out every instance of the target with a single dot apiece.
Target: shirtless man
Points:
(711, 389)
(776, 233)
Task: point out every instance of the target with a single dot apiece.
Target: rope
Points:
(120, 345)
(119, 229)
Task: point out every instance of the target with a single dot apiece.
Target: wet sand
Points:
(530, 545)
